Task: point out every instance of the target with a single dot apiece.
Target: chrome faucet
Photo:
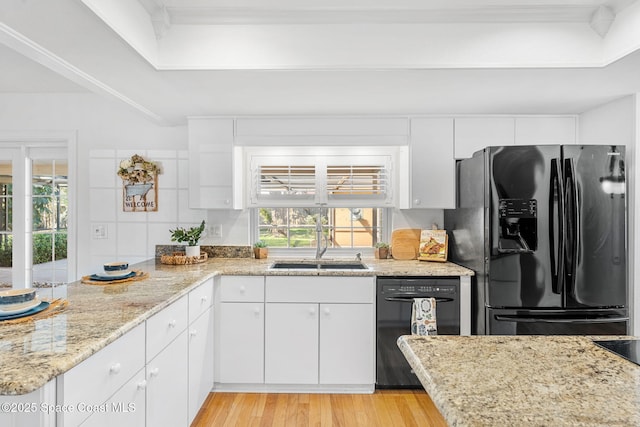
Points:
(319, 236)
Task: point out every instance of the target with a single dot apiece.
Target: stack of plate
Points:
(114, 271)
(20, 302)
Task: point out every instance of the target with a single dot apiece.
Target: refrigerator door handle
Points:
(534, 319)
(556, 201)
(572, 224)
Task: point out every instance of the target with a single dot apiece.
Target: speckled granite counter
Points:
(525, 380)
(34, 352)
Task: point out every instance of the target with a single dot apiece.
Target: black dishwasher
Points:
(393, 318)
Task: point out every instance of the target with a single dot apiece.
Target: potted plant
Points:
(191, 236)
(381, 250)
(260, 249)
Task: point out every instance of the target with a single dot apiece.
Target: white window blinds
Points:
(296, 181)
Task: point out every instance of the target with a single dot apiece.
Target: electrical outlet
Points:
(215, 230)
(99, 231)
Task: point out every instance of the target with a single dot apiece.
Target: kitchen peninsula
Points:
(35, 354)
(525, 380)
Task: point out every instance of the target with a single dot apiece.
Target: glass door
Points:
(34, 207)
(6, 217)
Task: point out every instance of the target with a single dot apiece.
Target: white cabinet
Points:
(31, 404)
(159, 373)
(92, 382)
(239, 330)
(167, 385)
(320, 330)
(347, 341)
(432, 164)
(200, 346)
(475, 133)
(126, 408)
(545, 130)
(291, 343)
(211, 163)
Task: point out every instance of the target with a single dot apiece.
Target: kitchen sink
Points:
(318, 265)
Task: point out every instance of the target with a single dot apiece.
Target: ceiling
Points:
(40, 56)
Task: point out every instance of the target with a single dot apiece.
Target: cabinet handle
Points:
(204, 298)
(142, 385)
(172, 323)
(256, 310)
(193, 333)
(417, 201)
(154, 372)
(327, 311)
(115, 368)
(227, 201)
(312, 311)
(242, 289)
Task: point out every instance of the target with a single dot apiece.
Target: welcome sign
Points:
(140, 184)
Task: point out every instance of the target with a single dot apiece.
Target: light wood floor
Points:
(397, 408)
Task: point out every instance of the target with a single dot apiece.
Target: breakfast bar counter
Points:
(525, 380)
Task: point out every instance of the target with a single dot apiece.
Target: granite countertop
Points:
(34, 352)
(525, 380)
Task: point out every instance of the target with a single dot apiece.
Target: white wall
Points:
(616, 123)
(106, 133)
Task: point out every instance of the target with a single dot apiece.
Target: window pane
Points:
(343, 227)
(50, 206)
(6, 220)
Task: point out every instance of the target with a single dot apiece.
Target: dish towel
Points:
(423, 317)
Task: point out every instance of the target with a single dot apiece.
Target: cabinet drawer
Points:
(165, 326)
(320, 289)
(242, 289)
(94, 380)
(200, 300)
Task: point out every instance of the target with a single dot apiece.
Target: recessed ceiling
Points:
(105, 62)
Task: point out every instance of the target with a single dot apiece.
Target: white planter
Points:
(193, 250)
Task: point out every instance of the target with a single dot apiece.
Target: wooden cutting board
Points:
(405, 243)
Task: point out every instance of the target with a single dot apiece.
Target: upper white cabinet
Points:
(313, 131)
(475, 133)
(545, 130)
(432, 164)
(211, 163)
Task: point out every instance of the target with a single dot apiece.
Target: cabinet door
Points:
(347, 344)
(210, 163)
(476, 133)
(167, 386)
(126, 408)
(200, 362)
(545, 130)
(239, 344)
(432, 163)
(291, 343)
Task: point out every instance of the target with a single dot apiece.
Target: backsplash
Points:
(212, 251)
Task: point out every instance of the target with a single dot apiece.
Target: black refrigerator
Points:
(544, 228)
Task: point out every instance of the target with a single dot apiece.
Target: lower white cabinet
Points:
(239, 343)
(167, 385)
(200, 362)
(239, 330)
(347, 343)
(291, 343)
(157, 374)
(126, 408)
(295, 333)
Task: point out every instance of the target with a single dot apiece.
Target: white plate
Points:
(113, 276)
(19, 307)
